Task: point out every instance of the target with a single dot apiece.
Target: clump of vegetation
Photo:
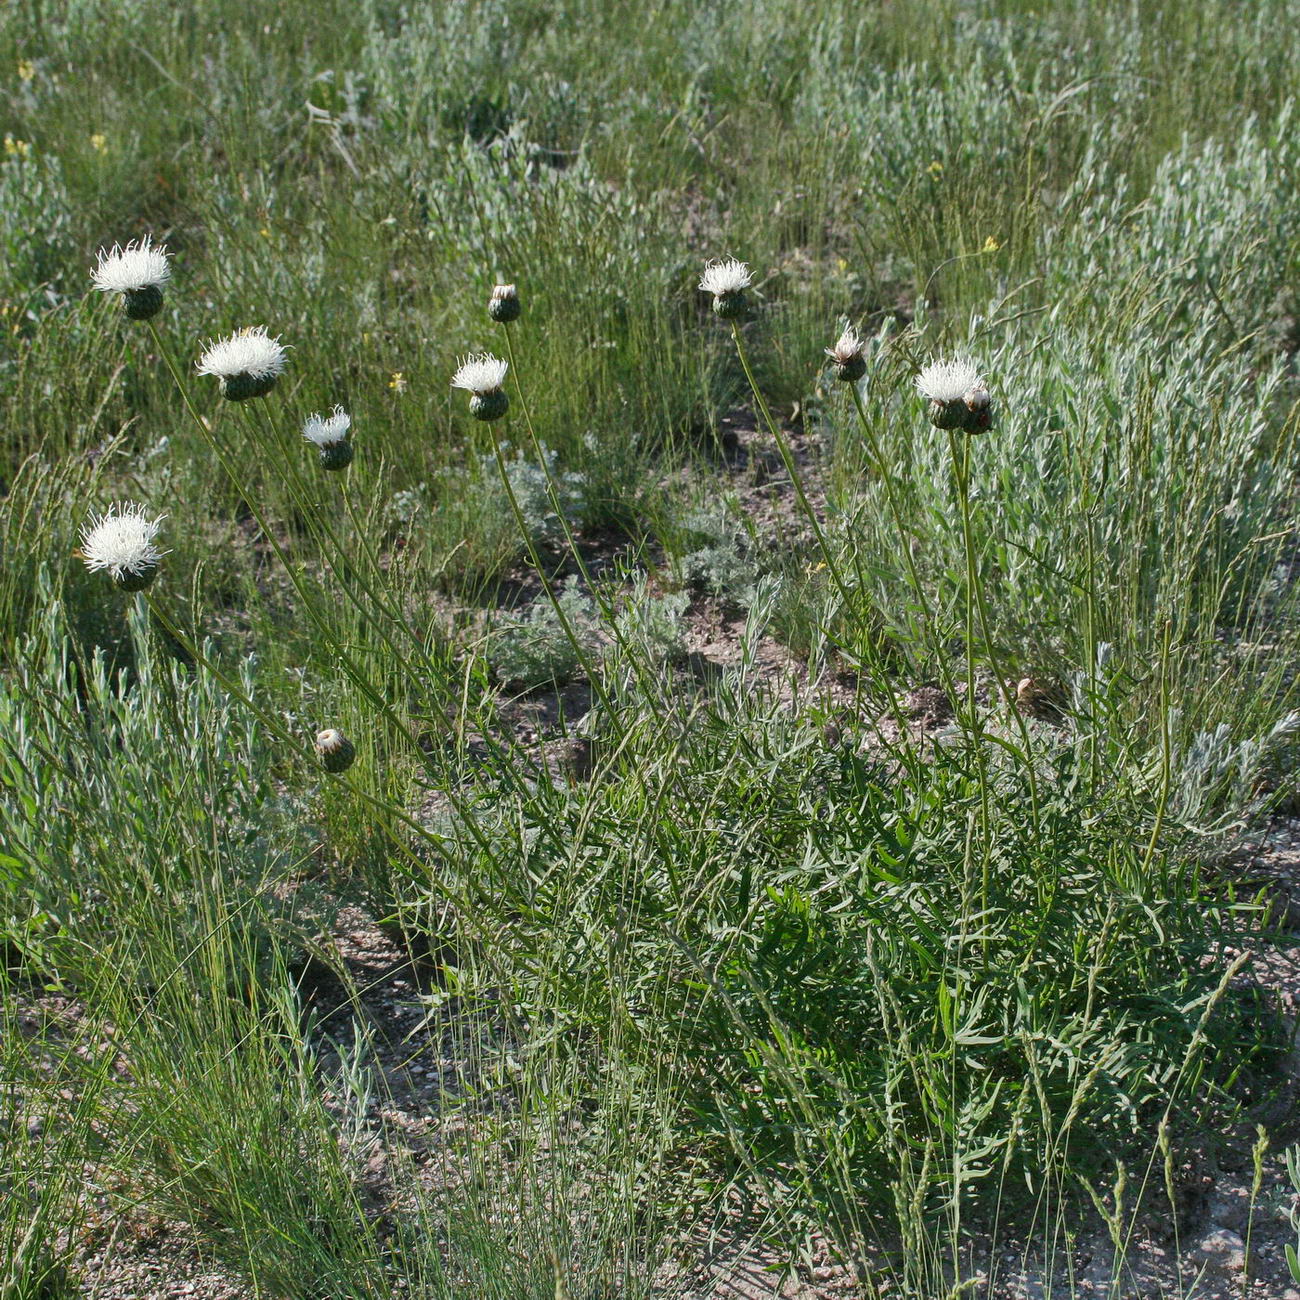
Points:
(547, 646)
(280, 456)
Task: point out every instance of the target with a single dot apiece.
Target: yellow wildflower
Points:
(991, 245)
(26, 69)
(17, 148)
(935, 168)
(398, 382)
(98, 142)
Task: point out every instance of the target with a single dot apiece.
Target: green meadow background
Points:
(724, 951)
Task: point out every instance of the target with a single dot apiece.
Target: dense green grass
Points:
(763, 943)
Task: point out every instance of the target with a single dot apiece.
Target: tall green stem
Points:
(887, 695)
(977, 608)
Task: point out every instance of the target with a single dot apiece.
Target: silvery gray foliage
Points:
(529, 483)
(537, 650)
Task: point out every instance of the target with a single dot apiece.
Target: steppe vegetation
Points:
(804, 818)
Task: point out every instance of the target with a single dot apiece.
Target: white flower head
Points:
(129, 270)
(121, 542)
(948, 381)
(324, 430)
(480, 373)
(249, 351)
(848, 347)
(721, 278)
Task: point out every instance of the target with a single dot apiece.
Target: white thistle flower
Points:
(721, 278)
(847, 346)
(850, 364)
(480, 373)
(948, 381)
(136, 273)
(325, 430)
(137, 266)
(247, 363)
(121, 542)
(959, 397)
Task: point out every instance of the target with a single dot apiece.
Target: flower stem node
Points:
(247, 364)
(482, 375)
(335, 751)
(137, 274)
(122, 543)
(850, 364)
(504, 305)
(727, 281)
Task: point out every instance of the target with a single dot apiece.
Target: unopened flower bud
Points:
(979, 409)
(335, 751)
(504, 304)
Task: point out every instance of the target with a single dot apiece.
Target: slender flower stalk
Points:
(137, 274)
(959, 449)
(122, 543)
(247, 363)
(562, 515)
(796, 480)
